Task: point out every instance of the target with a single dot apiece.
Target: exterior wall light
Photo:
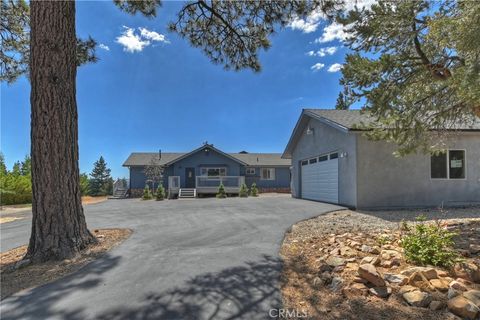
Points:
(343, 155)
(310, 130)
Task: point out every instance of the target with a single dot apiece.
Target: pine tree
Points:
(147, 194)
(221, 192)
(3, 166)
(254, 190)
(243, 191)
(26, 166)
(160, 193)
(100, 178)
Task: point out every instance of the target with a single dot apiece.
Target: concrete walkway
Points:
(187, 259)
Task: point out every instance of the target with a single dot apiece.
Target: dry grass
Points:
(8, 219)
(92, 200)
(16, 279)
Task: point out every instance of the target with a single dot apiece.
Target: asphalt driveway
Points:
(187, 259)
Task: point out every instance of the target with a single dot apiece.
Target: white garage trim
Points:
(319, 178)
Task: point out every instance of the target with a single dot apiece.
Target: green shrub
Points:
(254, 190)
(221, 192)
(243, 191)
(160, 193)
(147, 194)
(429, 244)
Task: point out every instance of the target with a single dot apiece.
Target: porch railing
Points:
(214, 182)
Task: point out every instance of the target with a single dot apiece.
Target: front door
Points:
(189, 177)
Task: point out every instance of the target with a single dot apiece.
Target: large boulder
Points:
(370, 273)
(473, 296)
(463, 308)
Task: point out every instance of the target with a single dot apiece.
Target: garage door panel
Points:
(320, 181)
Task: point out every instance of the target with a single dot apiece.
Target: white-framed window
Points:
(250, 171)
(267, 174)
(448, 165)
(213, 172)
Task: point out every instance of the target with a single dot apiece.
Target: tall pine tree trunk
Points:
(59, 229)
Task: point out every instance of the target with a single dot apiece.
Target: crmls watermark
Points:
(287, 314)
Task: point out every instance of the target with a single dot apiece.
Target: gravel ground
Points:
(352, 221)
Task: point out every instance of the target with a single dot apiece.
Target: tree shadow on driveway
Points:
(248, 291)
(242, 292)
(39, 303)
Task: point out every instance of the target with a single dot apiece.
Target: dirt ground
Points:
(15, 277)
(307, 243)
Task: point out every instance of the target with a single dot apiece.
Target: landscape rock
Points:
(428, 273)
(474, 248)
(468, 271)
(436, 305)
(382, 292)
(417, 298)
(370, 273)
(473, 296)
(325, 267)
(370, 260)
(452, 293)
(440, 284)
(22, 263)
(407, 288)
(336, 283)
(335, 261)
(318, 282)
(457, 285)
(359, 280)
(347, 252)
(463, 308)
(396, 278)
(366, 248)
(390, 254)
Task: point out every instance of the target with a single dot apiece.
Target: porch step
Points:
(187, 193)
(119, 194)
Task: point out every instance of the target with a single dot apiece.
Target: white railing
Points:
(214, 182)
(174, 182)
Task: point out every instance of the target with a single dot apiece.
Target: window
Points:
(268, 174)
(304, 162)
(250, 171)
(456, 164)
(449, 165)
(213, 172)
(333, 156)
(322, 158)
(314, 160)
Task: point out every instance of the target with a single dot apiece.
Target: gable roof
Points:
(248, 159)
(350, 120)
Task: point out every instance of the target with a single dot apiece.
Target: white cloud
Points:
(317, 66)
(134, 42)
(322, 52)
(152, 35)
(335, 67)
(334, 31)
(104, 47)
(309, 24)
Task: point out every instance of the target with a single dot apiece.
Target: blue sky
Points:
(151, 90)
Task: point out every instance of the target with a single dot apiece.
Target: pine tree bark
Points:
(59, 229)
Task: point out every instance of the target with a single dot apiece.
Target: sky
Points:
(151, 90)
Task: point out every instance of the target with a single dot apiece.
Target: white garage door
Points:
(320, 178)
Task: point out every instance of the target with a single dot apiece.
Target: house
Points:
(332, 161)
(202, 170)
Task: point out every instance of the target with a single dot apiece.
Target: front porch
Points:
(206, 185)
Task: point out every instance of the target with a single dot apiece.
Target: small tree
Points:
(243, 191)
(154, 173)
(84, 184)
(254, 190)
(147, 194)
(221, 192)
(160, 193)
(101, 180)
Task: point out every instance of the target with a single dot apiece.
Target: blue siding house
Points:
(202, 170)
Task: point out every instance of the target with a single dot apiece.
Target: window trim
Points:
(207, 168)
(268, 179)
(250, 173)
(447, 151)
(306, 161)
